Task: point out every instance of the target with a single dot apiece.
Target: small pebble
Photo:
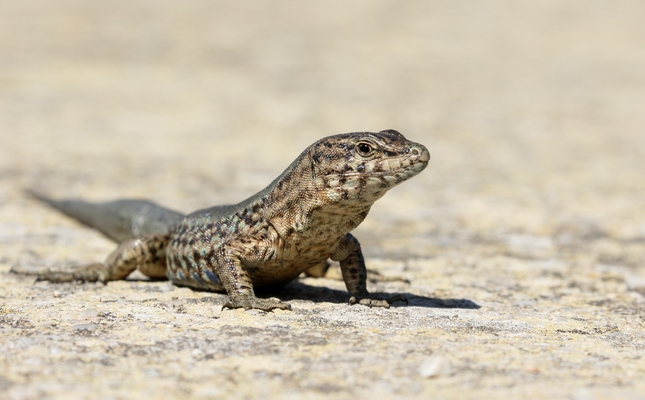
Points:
(85, 327)
(433, 367)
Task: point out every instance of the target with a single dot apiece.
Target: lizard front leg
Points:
(237, 282)
(147, 253)
(352, 267)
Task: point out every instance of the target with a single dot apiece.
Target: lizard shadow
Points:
(296, 290)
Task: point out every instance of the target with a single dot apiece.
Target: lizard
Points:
(294, 225)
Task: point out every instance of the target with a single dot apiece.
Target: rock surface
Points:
(523, 243)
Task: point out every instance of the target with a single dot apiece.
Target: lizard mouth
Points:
(384, 173)
(409, 171)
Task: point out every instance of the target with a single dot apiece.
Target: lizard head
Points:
(362, 166)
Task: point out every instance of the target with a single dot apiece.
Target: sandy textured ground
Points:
(523, 241)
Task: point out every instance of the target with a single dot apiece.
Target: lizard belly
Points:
(289, 261)
(199, 274)
(277, 272)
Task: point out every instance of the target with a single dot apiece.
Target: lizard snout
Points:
(420, 151)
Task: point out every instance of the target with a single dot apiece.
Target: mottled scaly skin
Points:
(302, 219)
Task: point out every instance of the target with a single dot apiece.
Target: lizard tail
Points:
(119, 220)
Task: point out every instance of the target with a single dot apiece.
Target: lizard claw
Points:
(249, 302)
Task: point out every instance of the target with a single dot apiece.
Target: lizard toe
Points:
(368, 301)
(251, 302)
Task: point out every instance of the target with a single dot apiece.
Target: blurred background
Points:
(532, 111)
(532, 207)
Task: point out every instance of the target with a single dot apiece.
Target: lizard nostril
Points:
(415, 152)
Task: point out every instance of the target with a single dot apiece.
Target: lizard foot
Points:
(372, 302)
(248, 302)
(85, 273)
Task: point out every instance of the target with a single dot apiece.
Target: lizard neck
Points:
(290, 199)
(298, 204)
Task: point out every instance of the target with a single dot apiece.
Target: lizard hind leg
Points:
(146, 253)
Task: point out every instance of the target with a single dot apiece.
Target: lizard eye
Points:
(364, 149)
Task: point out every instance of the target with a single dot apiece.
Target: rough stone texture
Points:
(523, 241)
